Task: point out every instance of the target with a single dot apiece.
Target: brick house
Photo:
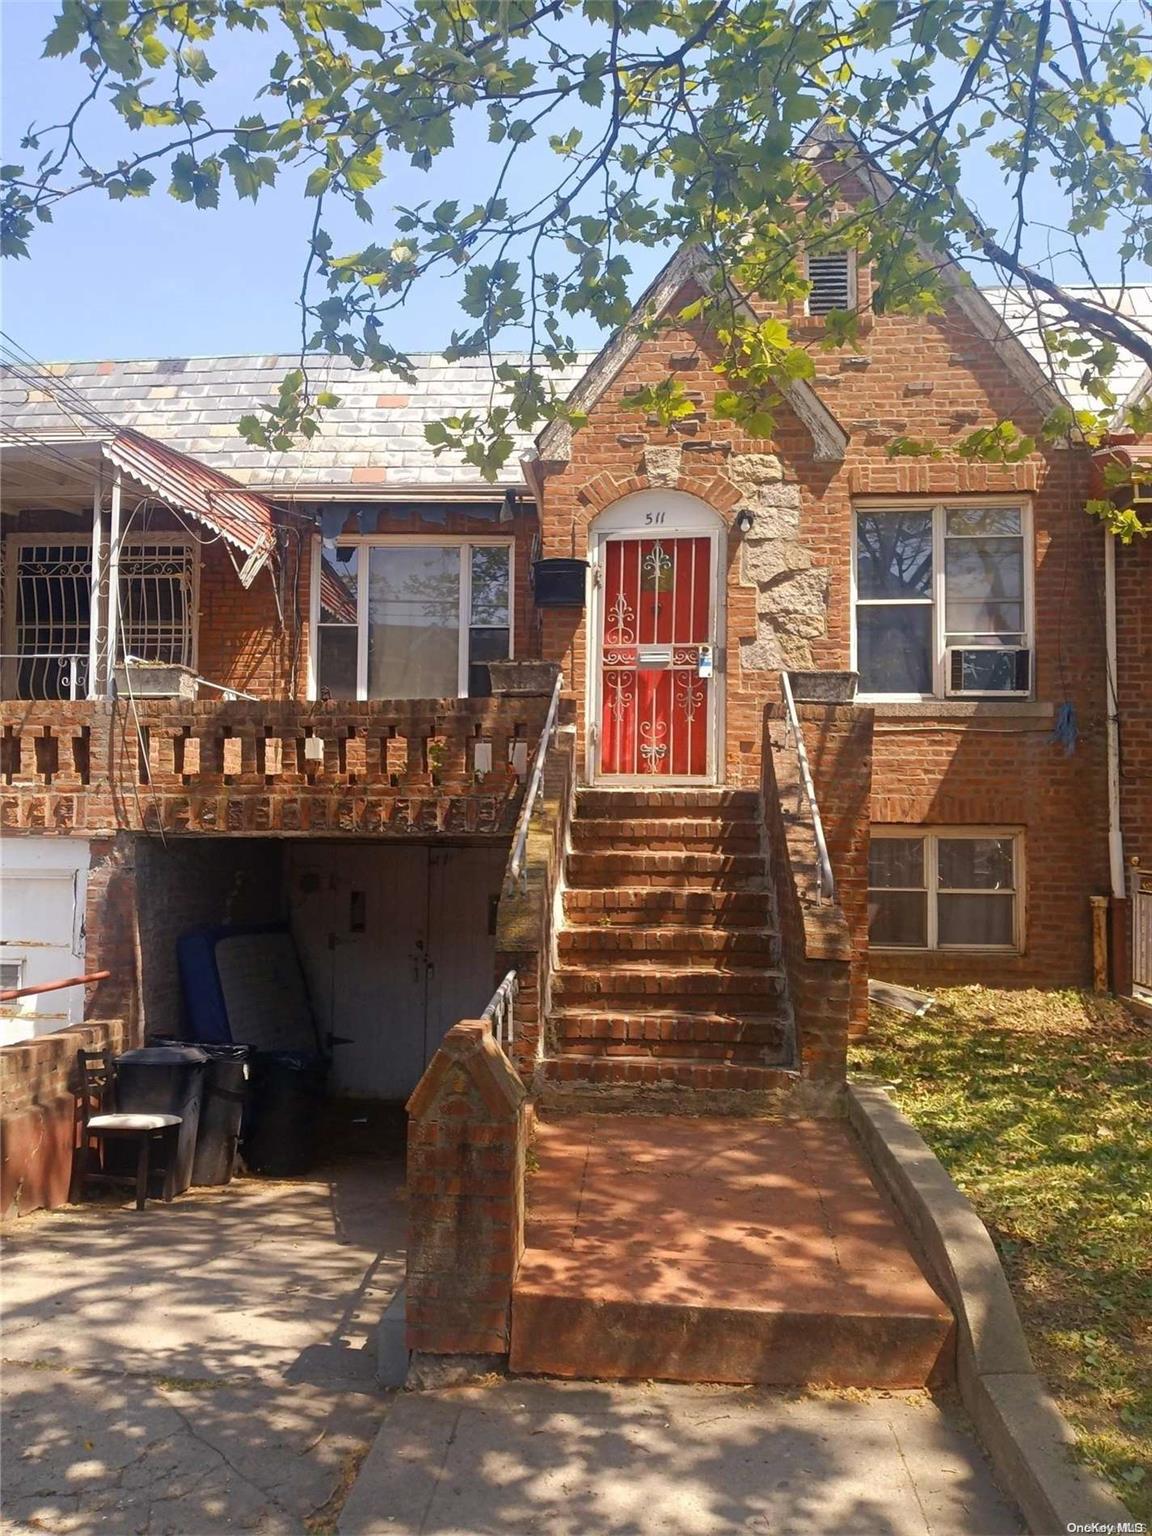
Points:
(249, 687)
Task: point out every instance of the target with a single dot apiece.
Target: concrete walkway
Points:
(678, 1248)
(203, 1367)
(567, 1459)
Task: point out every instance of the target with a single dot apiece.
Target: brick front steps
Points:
(669, 960)
(743, 1251)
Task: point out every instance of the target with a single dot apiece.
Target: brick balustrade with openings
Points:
(404, 767)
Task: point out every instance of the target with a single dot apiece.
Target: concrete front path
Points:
(203, 1367)
(569, 1459)
(717, 1249)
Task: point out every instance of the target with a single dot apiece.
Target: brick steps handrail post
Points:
(468, 1126)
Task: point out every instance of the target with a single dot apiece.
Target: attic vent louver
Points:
(831, 278)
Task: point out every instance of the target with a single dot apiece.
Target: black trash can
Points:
(221, 1108)
(287, 1090)
(167, 1080)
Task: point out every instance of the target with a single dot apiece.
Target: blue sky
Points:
(152, 277)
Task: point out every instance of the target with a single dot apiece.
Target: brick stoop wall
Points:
(468, 1129)
(38, 1081)
(816, 942)
(838, 739)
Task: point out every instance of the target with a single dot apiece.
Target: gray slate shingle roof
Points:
(374, 441)
(1133, 304)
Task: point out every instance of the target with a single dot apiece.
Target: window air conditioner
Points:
(983, 669)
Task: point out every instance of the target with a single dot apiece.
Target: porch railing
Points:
(514, 875)
(825, 883)
(501, 1011)
(50, 675)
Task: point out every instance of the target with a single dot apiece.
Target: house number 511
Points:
(654, 519)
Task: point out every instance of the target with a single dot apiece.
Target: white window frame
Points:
(16, 542)
(939, 510)
(931, 837)
(369, 541)
(853, 290)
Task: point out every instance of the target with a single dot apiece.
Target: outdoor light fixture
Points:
(744, 521)
(509, 506)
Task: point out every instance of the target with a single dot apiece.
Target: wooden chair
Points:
(99, 1124)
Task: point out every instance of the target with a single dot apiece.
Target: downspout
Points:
(1115, 836)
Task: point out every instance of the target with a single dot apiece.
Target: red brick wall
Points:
(922, 378)
(38, 1079)
(815, 942)
(467, 1139)
(1134, 692)
(838, 739)
(1134, 697)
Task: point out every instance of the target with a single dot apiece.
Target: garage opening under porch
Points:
(340, 964)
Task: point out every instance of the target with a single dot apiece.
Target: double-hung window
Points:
(942, 599)
(409, 619)
(945, 889)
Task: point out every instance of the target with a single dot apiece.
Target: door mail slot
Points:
(653, 658)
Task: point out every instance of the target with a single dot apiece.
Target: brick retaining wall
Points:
(38, 1079)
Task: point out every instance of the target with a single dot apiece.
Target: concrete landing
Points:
(724, 1250)
(570, 1459)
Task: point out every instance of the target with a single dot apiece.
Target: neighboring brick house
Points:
(342, 763)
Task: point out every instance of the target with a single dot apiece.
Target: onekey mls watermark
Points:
(1104, 1528)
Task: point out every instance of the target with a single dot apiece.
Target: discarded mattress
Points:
(245, 986)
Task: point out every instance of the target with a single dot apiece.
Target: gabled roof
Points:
(970, 299)
(690, 263)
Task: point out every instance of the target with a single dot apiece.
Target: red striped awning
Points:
(214, 499)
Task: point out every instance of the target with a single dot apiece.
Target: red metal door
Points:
(655, 657)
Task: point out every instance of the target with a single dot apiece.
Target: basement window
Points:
(410, 619)
(832, 275)
(945, 889)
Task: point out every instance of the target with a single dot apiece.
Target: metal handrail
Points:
(515, 873)
(500, 1011)
(825, 884)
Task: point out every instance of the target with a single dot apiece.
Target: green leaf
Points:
(67, 32)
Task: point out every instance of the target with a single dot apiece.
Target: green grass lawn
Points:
(1039, 1104)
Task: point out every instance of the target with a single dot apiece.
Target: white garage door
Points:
(43, 882)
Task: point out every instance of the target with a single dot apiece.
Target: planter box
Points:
(559, 583)
(523, 678)
(155, 680)
(824, 687)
